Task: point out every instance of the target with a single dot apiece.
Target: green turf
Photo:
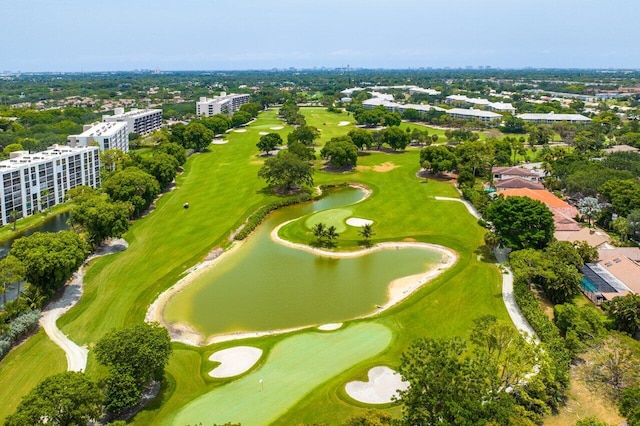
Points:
(293, 369)
(332, 217)
(26, 366)
(222, 190)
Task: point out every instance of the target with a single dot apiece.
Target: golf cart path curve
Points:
(76, 355)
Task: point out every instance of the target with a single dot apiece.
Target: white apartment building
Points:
(223, 104)
(31, 182)
(140, 121)
(551, 118)
(109, 135)
(476, 114)
(462, 100)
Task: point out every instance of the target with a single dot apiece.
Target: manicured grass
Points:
(222, 190)
(26, 366)
(293, 369)
(332, 217)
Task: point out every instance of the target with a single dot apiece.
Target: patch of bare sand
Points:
(384, 167)
(234, 361)
(344, 123)
(330, 326)
(363, 168)
(381, 388)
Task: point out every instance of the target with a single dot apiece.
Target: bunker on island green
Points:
(265, 286)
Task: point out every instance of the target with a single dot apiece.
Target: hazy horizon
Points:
(200, 35)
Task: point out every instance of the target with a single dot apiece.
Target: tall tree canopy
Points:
(50, 257)
(132, 185)
(68, 398)
(521, 222)
(286, 170)
(341, 152)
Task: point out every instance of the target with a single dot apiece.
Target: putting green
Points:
(294, 368)
(335, 217)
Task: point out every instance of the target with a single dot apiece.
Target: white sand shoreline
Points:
(398, 289)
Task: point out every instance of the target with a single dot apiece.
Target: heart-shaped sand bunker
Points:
(383, 385)
(234, 361)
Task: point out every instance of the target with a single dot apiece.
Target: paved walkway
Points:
(466, 203)
(518, 319)
(76, 355)
(502, 256)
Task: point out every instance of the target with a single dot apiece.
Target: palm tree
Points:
(319, 231)
(331, 234)
(11, 271)
(44, 195)
(366, 233)
(14, 217)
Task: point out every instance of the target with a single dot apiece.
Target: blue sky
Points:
(91, 35)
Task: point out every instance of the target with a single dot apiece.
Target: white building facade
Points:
(32, 182)
(140, 121)
(223, 104)
(552, 117)
(109, 135)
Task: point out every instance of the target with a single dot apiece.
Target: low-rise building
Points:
(551, 117)
(109, 135)
(474, 114)
(32, 182)
(503, 173)
(140, 121)
(223, 104)
(611, 277)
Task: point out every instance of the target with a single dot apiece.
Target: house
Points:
(592, 237)
(632, 253)
(563, 212)
(503, 173)
(517, 182)
(621, 148)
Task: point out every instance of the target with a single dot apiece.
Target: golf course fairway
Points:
(293, 368)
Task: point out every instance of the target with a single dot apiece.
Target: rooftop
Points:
(473, 113)
(553, 117)
(591, 236)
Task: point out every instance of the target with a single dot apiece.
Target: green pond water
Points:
(265, 286)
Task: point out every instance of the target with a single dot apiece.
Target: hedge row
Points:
(258, 216)
(18, 328)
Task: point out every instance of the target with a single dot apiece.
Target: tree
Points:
(239, 118)
(361, 138)
(622, 194)
(14, 215)
(341, 152)
(630, 405)
(11, 271)
(476, 155)
(366, 233)
(132, 185)
(444, 386)
(161, 166)
(251, 108)
(438, 159)
(303, 134)
(197, 137)
(395, 138)
(269, 142)
(539, 135)
(319, 231)
(589, 207)
(101, 219)
(173, 149)
(113, 160)
(68, 398)
(521, 222)
(491, 240)
(370, 418)
(331, 234)
(625, 312)
(218, 124)
(411, 114)
(135, 356)
(286, 170)
(12, 147)
(302, 151)
(513, 125)
(50, 257)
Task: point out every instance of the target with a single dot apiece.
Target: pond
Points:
(265, 286)
(54, 223)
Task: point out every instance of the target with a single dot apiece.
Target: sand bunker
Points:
(358, 222)
(330, 326)
(234, 361)
(384, 167)
(277, 127)
(383, 385)
(344, 123)
(263, 133)
(219, 141)
(240, 130)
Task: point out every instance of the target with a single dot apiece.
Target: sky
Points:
(122, 35)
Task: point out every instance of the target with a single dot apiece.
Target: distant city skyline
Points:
(86, 36)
